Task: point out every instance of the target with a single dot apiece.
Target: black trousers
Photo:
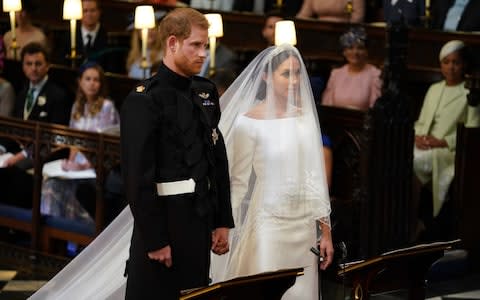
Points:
(190, 240)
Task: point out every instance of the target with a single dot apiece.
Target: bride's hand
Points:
(325, 247)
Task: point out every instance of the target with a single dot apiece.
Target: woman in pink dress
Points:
(356, 84)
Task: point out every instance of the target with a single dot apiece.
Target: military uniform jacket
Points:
(169, 133)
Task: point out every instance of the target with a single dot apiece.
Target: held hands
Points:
(163, 256)
(220, 241)
(425, 142)
(325, 247)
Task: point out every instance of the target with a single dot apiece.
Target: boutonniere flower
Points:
(42, 100)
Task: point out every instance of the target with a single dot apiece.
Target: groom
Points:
(175, 167)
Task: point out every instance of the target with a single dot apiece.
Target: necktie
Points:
(88, 45)
(29, 100)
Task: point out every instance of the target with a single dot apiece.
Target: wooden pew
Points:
(17, 218)
(345, 129)
(101, 149)
(465, 187)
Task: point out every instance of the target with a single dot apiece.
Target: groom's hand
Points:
(220, 241)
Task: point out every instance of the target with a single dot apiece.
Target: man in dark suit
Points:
(40, 100)
(91, 35)
(175, 168)
(461, 16)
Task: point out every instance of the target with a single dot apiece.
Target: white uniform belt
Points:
(176, 187)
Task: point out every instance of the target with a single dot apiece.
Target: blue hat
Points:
(355, 35)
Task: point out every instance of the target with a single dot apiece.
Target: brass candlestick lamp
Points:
(72, 10)
(12, 6)
(215, 30)
(144, 20)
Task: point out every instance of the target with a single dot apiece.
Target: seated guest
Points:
(357, 84)
(92, 111)
(90, 38)
(134, 59)
(456, 15)
(268, 30)
(7, 98)
(225, 58)
(25, 32)
(40, 100)
(333, 10)
(445, 105)
(407, 11)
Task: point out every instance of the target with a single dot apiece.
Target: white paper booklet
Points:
(54, 169)
(4, 157)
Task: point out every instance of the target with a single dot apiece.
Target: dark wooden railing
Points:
(102, 150)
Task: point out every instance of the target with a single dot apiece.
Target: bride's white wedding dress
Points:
(275, 228)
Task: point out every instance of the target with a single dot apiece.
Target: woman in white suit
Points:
(445, 106)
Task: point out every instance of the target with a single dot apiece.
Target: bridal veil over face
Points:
(274, 146)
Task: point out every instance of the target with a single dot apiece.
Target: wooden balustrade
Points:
(103, 152)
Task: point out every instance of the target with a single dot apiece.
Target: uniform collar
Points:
(173, 78)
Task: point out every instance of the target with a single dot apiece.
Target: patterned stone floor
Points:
(22, 271)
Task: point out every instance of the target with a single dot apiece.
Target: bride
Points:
(279, 190)
(278, 182)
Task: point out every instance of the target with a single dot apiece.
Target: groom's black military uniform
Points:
(175, 171)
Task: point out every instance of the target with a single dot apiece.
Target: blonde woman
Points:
(154, 54)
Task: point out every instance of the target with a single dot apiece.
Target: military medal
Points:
(214, 136)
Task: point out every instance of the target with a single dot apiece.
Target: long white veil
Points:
(299, 180)
(290, 185)
(97, 272)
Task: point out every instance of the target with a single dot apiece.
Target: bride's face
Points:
(286, 77)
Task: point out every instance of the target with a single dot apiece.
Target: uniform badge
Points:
(204, 95)
(214, 136)
(140, 88)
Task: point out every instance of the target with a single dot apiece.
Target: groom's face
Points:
(191, 52)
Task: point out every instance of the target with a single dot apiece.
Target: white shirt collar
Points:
(38, 87)
(93, 33)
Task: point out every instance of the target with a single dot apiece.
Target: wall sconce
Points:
(12, 6)
(144, 20)
(285, 33)
(215, 30)
(72, 10)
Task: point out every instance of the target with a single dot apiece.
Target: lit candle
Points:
(279, 3)
(427, 3)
